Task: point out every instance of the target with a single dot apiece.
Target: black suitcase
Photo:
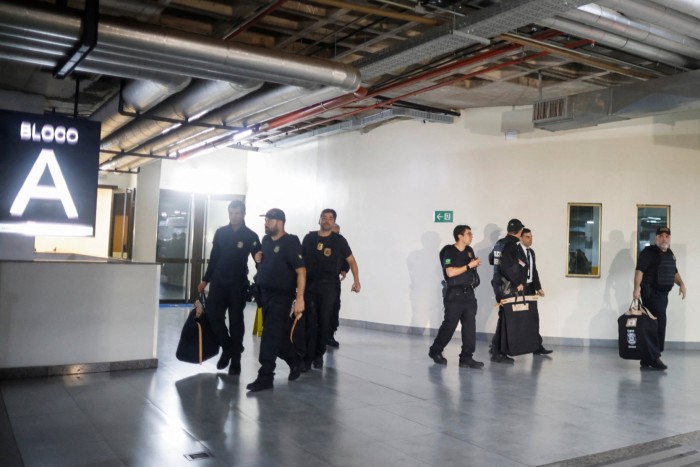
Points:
(637, 332)
(520, 333)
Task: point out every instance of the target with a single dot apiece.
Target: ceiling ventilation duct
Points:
(678, 93)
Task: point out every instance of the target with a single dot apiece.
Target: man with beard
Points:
(227, 277)
(654, 277)
(324, 252)
(282, 280)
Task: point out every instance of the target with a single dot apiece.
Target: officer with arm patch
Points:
(459, 269)
(654, 277)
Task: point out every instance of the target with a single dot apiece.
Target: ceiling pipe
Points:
(470, 61)
(618, 42)
(658, 15)
(262, 105)
(690, 7)
(177, 52)
(138, 96)
(611, 21)
(201, 96)
(482, 71)
(378, 12)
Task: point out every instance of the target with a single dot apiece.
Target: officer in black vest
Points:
(227, 277)
(324, 252)
(282, 280)
(509, 266)
(654, 277)
(459, 269)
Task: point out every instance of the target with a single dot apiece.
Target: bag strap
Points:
(201, 352)
(294, 325)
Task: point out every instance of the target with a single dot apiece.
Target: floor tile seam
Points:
(484, 448)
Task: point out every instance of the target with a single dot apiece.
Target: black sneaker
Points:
(644, 364)
(235, 367)
(223, 360)
(318, 362)
(259, 385)
(333, 343)
(657, 365)
(437, 357)
(305, 366)
(501, 358)
(542, 351)
(470, 363)
(294, 371)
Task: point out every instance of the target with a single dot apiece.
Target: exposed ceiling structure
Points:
(175, 78)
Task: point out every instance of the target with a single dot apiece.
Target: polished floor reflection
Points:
(379, 401)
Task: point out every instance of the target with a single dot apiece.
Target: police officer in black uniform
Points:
(227, 276)
(282, 279)
(654, 277)
(344, 269)
(509, 266)
(459, 269)
(324, 252)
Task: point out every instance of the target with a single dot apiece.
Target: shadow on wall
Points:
(425, 275)
(484, 293)
(618, 287)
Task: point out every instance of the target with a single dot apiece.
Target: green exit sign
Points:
(443, 216)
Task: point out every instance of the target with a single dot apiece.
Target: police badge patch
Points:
(632, 337)
(319, 246)
(327, 252)
(239, 244)
(277, 249)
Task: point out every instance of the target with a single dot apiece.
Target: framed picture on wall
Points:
(584, 232)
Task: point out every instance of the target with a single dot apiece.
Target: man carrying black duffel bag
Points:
(654, 277)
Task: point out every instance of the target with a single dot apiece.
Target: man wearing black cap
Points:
(509, 268)
(654, 277)
(227, 277)
(282, 280)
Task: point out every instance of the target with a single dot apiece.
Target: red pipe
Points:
(348, 99)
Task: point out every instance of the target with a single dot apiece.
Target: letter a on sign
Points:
(32, 190)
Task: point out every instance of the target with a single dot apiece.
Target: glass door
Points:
(172, 247)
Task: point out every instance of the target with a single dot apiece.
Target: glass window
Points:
(649, 218)
(584, 240)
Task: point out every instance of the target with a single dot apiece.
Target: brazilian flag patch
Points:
(448, 261)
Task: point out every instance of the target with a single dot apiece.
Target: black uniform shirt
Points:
(324, 256)
(281, 259)
(228, 262)
(453, 258)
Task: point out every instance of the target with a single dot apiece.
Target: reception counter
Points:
(64, 316)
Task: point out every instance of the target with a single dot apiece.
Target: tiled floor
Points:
(379, 401)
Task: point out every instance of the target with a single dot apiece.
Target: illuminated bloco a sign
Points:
(48, 174)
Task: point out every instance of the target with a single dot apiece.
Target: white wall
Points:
(386, 184)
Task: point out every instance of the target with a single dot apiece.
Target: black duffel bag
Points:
(197, 341)
(520, 326)
(637, 332)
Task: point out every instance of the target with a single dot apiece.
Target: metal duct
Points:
(609, 20)
(166, 51)
(138, 96)
(201, 96)
(244, 112)
(618, 42)
(361, 122)
(690, 7)
(507, 16)
(677, 93)
(656, 14)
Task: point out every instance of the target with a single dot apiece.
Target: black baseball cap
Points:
(514, 225)
(663, 230)
(276, 214)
